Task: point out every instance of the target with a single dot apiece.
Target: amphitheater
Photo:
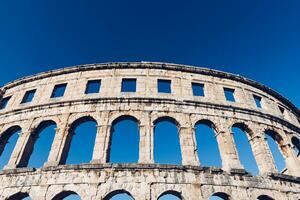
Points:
(29, 103)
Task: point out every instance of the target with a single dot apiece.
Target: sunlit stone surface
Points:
(146, 180)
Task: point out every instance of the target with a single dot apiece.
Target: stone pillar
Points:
(146, 140)
(229, 156)
(187, 146)
(59, 144)
(101, 145)
(262, 154)
(292, 162)
(101, 148)
(18, 151)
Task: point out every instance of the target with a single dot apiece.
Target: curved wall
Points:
(147, 180)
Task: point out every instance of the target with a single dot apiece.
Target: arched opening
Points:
(8, 142)
(19, 196)
(80, 141)
(67, 195)
(264, 197)
(119, 195)
(244, 149)
(39, 145)
(296, 145)
(124, 140)
(274, 141)
(220, 196)
(170, 195)
(207, 145)
(166, 141)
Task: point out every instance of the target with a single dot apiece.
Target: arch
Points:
(38, 121)
(166, 141)
(19, 196)
(241, 136)
(275, 143)
(38, 145)
(168, 119)
(219, 196)
(296, 145)
(205, 134)
(78, 118)
(8, 140)
(264, 197)
(65, 194)
(170, 194)
(114, 116)
(124, 140)
(82, 132)
(244, 127)
(118, 192)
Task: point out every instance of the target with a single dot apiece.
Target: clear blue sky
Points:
(257, 39)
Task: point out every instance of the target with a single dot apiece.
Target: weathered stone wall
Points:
(147, 180)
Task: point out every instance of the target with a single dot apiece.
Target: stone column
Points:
(187, 146)
(18, 151)
(146, 140)
(261, 153)
(101, 148)
(292, 162)
(58, 146)
(229, 156)
(101, 144)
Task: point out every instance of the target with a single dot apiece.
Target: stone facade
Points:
(145, 179)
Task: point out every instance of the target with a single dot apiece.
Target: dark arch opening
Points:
(8, 142)
(19, 196)
(166, 141)
(170, 195)
(67, 195)
(219, 196)
(244, 148)
(206, 142)
(274, 142)
(39, 145)
(264, 197)
(80, 141)
(296, 145)
(119, 194)
(124, 140)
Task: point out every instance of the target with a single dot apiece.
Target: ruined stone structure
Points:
(99, 179)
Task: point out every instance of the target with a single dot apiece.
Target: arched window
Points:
(39, 145)
(219, 196)
(80, 142)
(273, 141)
(119, 195)
(8, 141)
(67, 195)
(19, 196)
(244, 149)
(296, 145)
(170, 195)
(124, 141)
(166, 141)
(207, 146)
(264, 197)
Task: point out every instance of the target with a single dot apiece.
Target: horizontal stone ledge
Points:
(284, 177)
(153, 100)
(160, 167)
(17, 170)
